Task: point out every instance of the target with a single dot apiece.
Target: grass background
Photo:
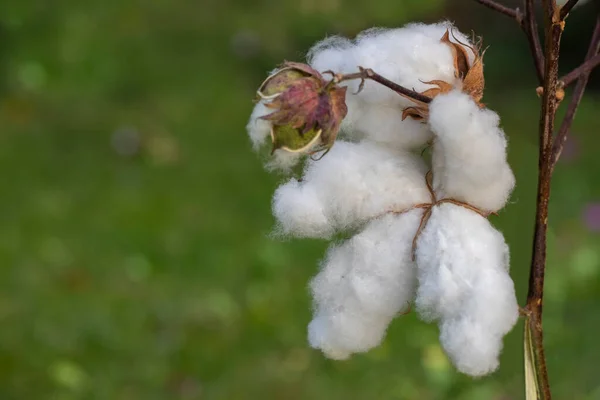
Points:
(134, 257)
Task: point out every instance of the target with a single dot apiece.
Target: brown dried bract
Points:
(469, 74)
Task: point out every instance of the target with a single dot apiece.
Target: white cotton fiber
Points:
(384, 124)
(464, 284)
(355, 182)
(469, 152)
(300, 211)
(408, 56)
(363, 284)
(471, 347)
(283, 161)
(259, 129)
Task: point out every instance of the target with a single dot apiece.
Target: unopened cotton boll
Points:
(363, 284)
(469, 152)
(408, 56)
(464, 284)
(355, 182)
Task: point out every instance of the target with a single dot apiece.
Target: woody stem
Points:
(553, 27)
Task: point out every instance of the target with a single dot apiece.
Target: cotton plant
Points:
(419, 229)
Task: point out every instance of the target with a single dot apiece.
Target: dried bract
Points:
(469, 76)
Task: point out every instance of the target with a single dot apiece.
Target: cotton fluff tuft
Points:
(469, 152)
(259, 129)
(363, 284)
(408, 56)
(355, 182)
(300, 211)
(464, 284)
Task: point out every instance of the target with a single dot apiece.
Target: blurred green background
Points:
(134, 248)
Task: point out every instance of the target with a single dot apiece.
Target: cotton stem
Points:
(367, 73)
(554, 27)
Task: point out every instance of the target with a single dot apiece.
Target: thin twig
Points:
(582, 81)
(500, 8)
(584, 68)
(529, 26)
(367, 73)
(566, 8)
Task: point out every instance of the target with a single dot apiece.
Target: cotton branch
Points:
(566, 8)
(592, 59)
(367, 73)
(513, 13)
(528, 24)
(584, 68)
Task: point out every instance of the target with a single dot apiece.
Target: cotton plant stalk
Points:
(552, 139)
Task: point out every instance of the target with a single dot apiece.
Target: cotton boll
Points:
(383, 276)
(463, 276)
(352, 184)
(363, 284)
(300, 211)
(359, 181)
(459, 254)
(469, 152)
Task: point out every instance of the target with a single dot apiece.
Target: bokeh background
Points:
(135, 261)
